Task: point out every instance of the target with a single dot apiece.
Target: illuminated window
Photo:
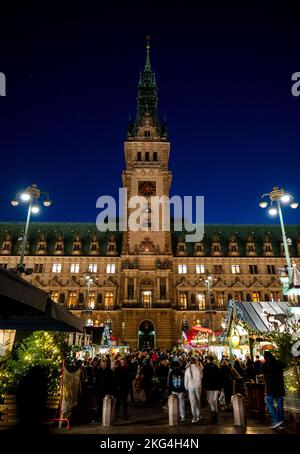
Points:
(72, 298)
(201, 301)
(255, 297)
(183, 299)
(56, 268)
(235, 269)
(74, 268)
(110, 268)
(54, 295)
(200, 269)
(147, 298)
(109, 299)
(182, 269)
(93, 267)
(220, 298)
(92, 299)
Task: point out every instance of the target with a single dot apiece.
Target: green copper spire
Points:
(148, 64)
(147, 100)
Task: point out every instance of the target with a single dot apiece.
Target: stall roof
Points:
(24, 306)
(263, 316)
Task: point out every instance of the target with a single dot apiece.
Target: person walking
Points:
(122, 386)
(212, 383)
(226, 381)
(272, 371)
(249, 369)
(176, 386)
(257, 365)
(103, 385)
(193, 384)
(147, 374)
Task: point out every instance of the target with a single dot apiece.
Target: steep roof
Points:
(241, 232)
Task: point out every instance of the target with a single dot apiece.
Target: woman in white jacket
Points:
(193, 384)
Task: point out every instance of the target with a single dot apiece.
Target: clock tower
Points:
(146, 173)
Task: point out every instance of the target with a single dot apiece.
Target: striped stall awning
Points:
(264, 316)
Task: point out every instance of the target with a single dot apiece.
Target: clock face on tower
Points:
(147, 188)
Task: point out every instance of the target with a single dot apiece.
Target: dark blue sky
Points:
(224, 79)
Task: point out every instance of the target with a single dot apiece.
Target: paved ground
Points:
(154, 420)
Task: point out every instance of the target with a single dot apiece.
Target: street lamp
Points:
(89, 282)
(278, 197)
(30, 195)
(208, 281)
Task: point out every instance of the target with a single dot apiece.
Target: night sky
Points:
(224, 78)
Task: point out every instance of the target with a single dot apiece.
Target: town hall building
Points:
(149, 285)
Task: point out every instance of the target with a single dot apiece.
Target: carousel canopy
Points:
(202, 329)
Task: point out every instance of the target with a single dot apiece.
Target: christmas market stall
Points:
(248, 325)
(42, 326)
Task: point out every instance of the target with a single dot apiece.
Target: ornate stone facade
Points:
(150, 284)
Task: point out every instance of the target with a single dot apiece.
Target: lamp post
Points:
(278, 196)
(89, 282)
(208, 281)
(30, 195)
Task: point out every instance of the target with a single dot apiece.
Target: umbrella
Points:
(202, 329)
(26, 307)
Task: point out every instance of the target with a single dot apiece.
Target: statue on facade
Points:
(105, 339)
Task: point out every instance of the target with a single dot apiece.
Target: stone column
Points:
(167, 288)
(135, 288)
(126, 289)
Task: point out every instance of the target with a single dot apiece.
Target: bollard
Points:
(239, 412)
(108, 410)
(173, 405)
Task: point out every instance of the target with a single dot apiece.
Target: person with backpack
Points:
(176, 386)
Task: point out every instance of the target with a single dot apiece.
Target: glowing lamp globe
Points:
(35, 209)
(25, 196)
(285, 198)
(273, 211)
(263, 204)
(235, 340)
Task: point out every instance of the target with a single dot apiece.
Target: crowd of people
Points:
(151, 376)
